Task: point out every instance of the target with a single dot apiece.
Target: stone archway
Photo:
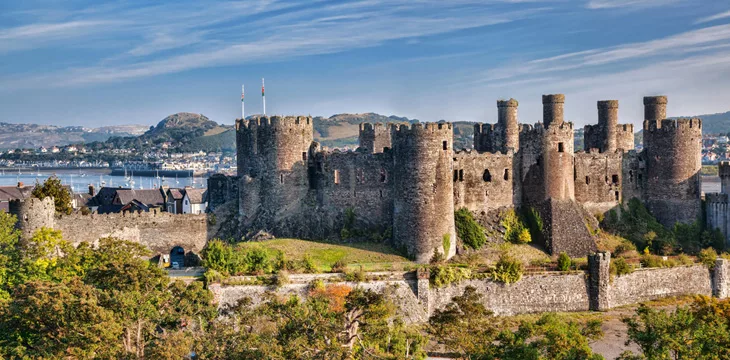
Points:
(177, 257)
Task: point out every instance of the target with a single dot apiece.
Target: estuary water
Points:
(80, 179)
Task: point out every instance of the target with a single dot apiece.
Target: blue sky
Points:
(96, 63)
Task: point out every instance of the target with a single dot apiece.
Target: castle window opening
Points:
(631, 175)
(606, 179)
(588, 180)
(487, 176)
(461, 175)
(614, 178)
(446, 145)
(639, 177)
(337, 177)
(560, 147)
(456, 175)
(383, 176)
(506, 174)
(616, 193)
(304, 155)
(281, 178)
(381, 193)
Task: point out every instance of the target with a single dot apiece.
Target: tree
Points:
(58, 320)
(54, 188)
(465, 325)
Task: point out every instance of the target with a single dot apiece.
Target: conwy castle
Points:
(405, 181)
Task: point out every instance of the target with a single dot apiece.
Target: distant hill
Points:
(29, 136)
(715, 123)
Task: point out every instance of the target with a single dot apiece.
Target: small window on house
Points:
(506, 174)
(487, 176)
(304, 155)
(588, 180)
(560, 147)
(614, 178)
(281, 178)
(337, 176)
(446, 145)
(461, 175)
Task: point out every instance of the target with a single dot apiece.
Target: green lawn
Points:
(372, 256)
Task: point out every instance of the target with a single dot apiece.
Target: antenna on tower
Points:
(243, 112)
(263, 95)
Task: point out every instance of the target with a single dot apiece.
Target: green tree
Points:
(468, 230)
(54, 188)
(465, 325)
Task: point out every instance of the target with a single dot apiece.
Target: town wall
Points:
(158, 231)
(33, 214)
(220, 188)
(483, 181)
(598, 180)
(595, 289)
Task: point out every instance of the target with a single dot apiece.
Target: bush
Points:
(620, 267)
(468, 230)
(443, 275)
(356, 276)
(437, 257)
(308, 265)
(282, 278)
(339, 266)
(507, 270)
(623, 247)
(564, 262)
(515, 230)
(708, 257)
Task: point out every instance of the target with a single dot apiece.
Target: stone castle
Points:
(405, 181)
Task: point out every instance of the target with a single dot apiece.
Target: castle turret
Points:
(507, 121)
(724, 170)
(275, 169)
(33, 214)
(423, 220)
(608, 121)
(655, 108)
(374, 138)
(673, 164)
(552, 109)
(484, 135)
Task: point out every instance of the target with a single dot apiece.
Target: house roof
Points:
(176, 194)
(105, 196)
(82, 199)
(8, 193)
(196, 196)
(151, 197)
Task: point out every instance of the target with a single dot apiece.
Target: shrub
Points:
(708, 257)
(339, 266)
(437, 257)
(620, 267)
(257, 261)
(446, 243)
(514, 228)
(534, 223)
(308, 265)
(468, 230)
(443, 275)
(507, 270)
(282, 278)
(356, 276)
(564, 262)
(623, 247)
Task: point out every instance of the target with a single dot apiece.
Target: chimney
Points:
(92, 191)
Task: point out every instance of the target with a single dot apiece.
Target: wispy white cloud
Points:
(613, 4)
(723, 15)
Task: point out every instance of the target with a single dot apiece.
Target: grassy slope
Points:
(373, 257)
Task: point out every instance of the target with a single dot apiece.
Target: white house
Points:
(194, 201)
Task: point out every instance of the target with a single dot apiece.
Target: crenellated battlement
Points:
(507, 103)
(717, 198)
(422, 129)
(470, 154)
(628, 128)
(671, 125)
(563, 128)
(655, 100)
(607, 104)
(724, 168)
(376, 126)
(276, 121)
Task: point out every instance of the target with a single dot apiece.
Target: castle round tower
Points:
(274, 175)
(423, 212)
(724, 169)
(552, 109)
(608, 121)
(673, 164)
(557, 150)
(507, 119)
(33, 214)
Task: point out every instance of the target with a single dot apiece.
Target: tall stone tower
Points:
(509, 128)
(374, 138)
(673, 164)
(423, 206)
(608, 121)
(724, 169)
(557, 150)
(273, 171)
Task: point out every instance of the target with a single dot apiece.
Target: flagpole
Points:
(263, 95)
(243, 112)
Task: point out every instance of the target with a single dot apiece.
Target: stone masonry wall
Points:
(647, 284)
(159, 231)
(598, 179)
(483, 181)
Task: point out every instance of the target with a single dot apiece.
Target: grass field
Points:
(371, 256)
